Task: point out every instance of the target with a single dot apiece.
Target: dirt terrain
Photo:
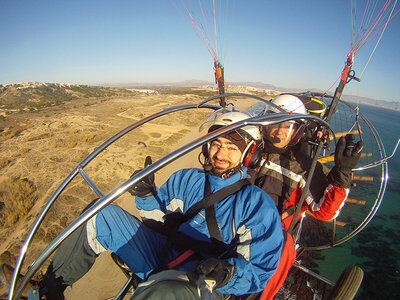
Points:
(39, 150)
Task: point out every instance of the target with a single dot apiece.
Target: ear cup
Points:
(252, 156)
(298, 134)
(205, 149)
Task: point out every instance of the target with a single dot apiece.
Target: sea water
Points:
(376, 248)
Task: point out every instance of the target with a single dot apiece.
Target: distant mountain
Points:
(203, 83)
(37, 95)
(198, 83)
(257, 85)
(186, 83)
(381, 103)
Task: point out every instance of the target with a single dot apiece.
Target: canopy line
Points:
(380, 37)
(197, 29)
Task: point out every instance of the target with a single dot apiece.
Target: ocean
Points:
(375, 248)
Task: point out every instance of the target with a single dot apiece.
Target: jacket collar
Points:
(218, 182)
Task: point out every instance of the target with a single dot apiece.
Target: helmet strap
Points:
(232, 171)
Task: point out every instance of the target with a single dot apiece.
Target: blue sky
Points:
(297, 44)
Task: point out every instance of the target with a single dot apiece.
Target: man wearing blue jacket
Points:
(222, 235)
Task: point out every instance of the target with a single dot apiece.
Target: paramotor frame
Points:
(104, 200)
(258, 120)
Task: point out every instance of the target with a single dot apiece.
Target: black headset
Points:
(299, 134)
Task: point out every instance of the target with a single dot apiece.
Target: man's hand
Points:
(347, 153)
(212, 270)
(146, 187)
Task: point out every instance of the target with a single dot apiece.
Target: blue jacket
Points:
(250, 215)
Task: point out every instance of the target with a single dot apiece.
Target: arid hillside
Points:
(39, 148)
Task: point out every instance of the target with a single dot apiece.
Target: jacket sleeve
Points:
(330, 197)
(171, 196)
(330, 205)
(260, 242)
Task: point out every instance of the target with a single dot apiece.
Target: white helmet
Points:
(289, 103)
(228, 116)
(246, 138)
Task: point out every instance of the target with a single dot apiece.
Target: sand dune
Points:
(53, 142)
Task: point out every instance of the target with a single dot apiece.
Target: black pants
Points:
(71, 261)
(174, 290)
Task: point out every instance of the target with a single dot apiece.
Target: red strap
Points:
(250, 155)
(180, 259)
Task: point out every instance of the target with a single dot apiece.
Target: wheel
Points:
(348, 284)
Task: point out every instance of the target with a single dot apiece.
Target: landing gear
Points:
(348, 284)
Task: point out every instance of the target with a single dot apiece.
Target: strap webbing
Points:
(211, 218)
(176, 239)
(215, 198)
(212, 225)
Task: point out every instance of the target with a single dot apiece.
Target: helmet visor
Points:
(280, 134)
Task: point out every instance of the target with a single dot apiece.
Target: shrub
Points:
(4, 162)
(10, 133)
(24, 150)
(7, 258)
(64, 221)
(18, 197)
(40, 137)
(51, 233)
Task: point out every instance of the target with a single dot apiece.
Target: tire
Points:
(348, 284)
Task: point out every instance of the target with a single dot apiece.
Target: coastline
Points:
(374, 104)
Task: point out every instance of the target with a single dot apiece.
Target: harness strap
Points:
(212, 225)
(182, 242)
(288, 213)
(215, 198)
(180, 259)
(211, 218)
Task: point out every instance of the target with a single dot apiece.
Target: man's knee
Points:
(169, 289)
